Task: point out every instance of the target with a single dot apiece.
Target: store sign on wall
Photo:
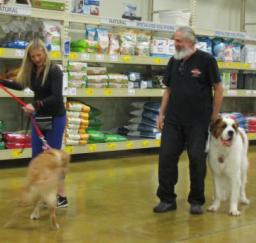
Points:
(14, 10)
(137, 24)
(228, 34)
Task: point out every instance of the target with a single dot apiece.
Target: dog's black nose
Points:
(231, 133)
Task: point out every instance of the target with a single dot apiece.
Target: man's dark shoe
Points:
(163, 207)
(196, 209)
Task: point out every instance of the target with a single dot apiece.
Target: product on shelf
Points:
(16, 140)
(143, 44)
(49, 4)
(249, 54)
(143, 122)
(77, 106)
(227, 51)
(77, 67)
(77, 123)
(96, 70)
(204, 44)
(86, 7)
(103, 40)
(162, 47)
(77, 80)
(96, 136)
(52, 35)
(111, 138)
(114, 44)
(251, 123)
(128, 42)
(230, 79)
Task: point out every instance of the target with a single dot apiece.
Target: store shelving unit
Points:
(66, 18)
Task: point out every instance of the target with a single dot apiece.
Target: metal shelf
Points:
(8, 154)
(23, 10)
(10, 53)
(128, 59)
(119, 59)
(113, 92)
(21, 94)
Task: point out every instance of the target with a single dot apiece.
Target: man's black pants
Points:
(174, 139)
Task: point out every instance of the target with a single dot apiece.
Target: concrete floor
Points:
(111, 200)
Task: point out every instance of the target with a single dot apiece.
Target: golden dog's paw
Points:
(234, 213)
(56, 227)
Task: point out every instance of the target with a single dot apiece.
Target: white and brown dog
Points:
(227, 157)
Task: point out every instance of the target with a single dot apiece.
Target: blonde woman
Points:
(45, 79)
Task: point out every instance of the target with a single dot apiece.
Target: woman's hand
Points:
(160, 122)
(29, 109)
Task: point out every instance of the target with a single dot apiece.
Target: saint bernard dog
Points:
(227, 156)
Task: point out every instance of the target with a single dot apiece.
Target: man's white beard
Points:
(183, 53)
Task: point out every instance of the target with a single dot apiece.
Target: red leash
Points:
(23, 104)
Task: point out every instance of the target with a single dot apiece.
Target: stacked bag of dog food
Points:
(77, 74)
(143, 120)
(77, 123)
(239, 118)
(2, 146)
(251, 123)
(97, 77)
(17, 140)
(95, 127)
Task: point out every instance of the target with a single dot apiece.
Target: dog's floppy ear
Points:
(215, 123)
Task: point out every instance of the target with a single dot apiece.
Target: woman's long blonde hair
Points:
(24, 75)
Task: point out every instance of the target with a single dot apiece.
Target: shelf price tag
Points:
(246, 66)
(158, 142)
(145, 143)
(130, 145)
(92, 147)
(131, 92)
(19, 53)
(126, 58)
(114, 58)
(16, 153)
(100, 57)
(112, 146)
(85, 56)
(55, 54)
(1, 52)
(89, 92)
(232, 92)
(248, 92)
(252, 136)
(157, 60)
(108, 92)
(69, 149)
(73, 56)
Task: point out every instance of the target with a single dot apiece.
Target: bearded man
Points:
(191, 100)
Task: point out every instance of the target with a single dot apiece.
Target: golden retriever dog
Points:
(44, 175)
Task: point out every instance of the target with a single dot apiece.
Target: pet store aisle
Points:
(111, 200)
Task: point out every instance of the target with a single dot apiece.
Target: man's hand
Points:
(160, 122)
(29, 109)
